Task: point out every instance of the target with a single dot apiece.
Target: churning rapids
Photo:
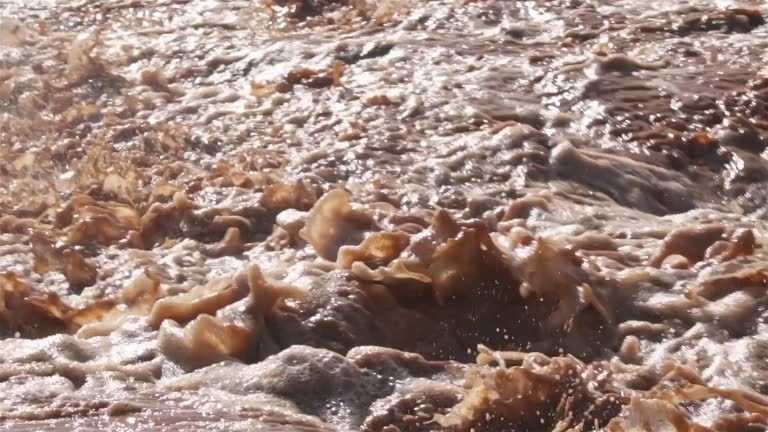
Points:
(383, 215)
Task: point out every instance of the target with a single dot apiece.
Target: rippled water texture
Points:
(396, 215)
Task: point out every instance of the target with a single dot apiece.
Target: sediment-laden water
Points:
(402, 215)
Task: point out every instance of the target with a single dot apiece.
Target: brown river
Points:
(383, 215)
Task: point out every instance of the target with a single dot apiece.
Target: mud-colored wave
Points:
(395, 215)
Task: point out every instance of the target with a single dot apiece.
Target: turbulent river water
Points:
(383, 215)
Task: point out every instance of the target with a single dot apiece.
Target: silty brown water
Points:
(383, 216)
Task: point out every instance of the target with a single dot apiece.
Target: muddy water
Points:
(383, 216)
